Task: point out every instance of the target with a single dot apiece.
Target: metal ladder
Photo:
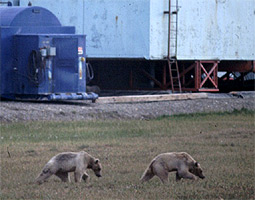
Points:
(174, 75)
(172, 45)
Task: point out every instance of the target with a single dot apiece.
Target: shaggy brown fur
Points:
(181, 162)
(63, 163)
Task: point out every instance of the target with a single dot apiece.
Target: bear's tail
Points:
(148, 173)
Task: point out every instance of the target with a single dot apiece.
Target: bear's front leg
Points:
(186, 174)
(64, 176)
(178, 178)
(85, 177)
(78, 176)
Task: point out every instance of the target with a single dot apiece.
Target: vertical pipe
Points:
(215, 74)
(169, 29)
(196, 78)
(176, 27)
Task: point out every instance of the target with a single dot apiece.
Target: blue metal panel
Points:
(65, 65)
(40, 58)
(24, 80)
(7, 55)
(6, 59)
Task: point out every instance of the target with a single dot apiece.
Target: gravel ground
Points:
(14, 111)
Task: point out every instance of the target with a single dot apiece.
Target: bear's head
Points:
(197, 170)
(96, 167)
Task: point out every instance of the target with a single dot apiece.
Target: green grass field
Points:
(223, 143)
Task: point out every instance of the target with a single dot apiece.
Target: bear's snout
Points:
(202, 176)
(98, 175)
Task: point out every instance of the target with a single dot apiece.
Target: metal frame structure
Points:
(207, 68)
(203, 77)
(210, 73)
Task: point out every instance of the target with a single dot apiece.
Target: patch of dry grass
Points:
(222, 143)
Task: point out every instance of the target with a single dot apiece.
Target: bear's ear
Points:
(196, 164)
(96, 161)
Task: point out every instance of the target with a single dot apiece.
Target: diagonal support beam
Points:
(152, 78)
(187, 70)
(208, 74)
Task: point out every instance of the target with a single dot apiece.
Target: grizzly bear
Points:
(181, 162)
(63, 163)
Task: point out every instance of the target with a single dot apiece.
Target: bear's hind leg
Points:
(64, 176)
(147, 177)
(163, 177)
(161, 173)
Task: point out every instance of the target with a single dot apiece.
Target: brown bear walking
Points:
(63, 163)
(181, 162)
